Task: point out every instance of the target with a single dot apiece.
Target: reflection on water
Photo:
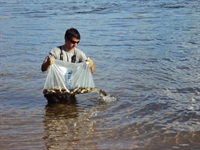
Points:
(59, 126)
(67, 127)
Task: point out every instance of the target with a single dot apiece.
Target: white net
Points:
(67, 75)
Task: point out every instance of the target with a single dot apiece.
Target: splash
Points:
(104, 97)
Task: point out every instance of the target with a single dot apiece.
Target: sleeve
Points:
(80, 56)
(83, 57)
(52, 53)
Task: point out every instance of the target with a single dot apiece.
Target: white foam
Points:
(108, 98)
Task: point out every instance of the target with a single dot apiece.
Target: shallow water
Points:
(146, 53)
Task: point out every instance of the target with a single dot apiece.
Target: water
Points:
(146, 53)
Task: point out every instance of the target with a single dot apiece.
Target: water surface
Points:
(146, 53)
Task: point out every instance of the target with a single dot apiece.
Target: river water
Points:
(146, 53)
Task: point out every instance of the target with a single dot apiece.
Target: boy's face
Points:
(72, 43)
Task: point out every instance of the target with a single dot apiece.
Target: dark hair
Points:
(72, 32)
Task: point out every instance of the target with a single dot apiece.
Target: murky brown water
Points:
(147, 54)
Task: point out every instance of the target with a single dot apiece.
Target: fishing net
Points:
(65, 79)
(66, 76)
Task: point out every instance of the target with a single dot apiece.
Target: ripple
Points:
(146, 59)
